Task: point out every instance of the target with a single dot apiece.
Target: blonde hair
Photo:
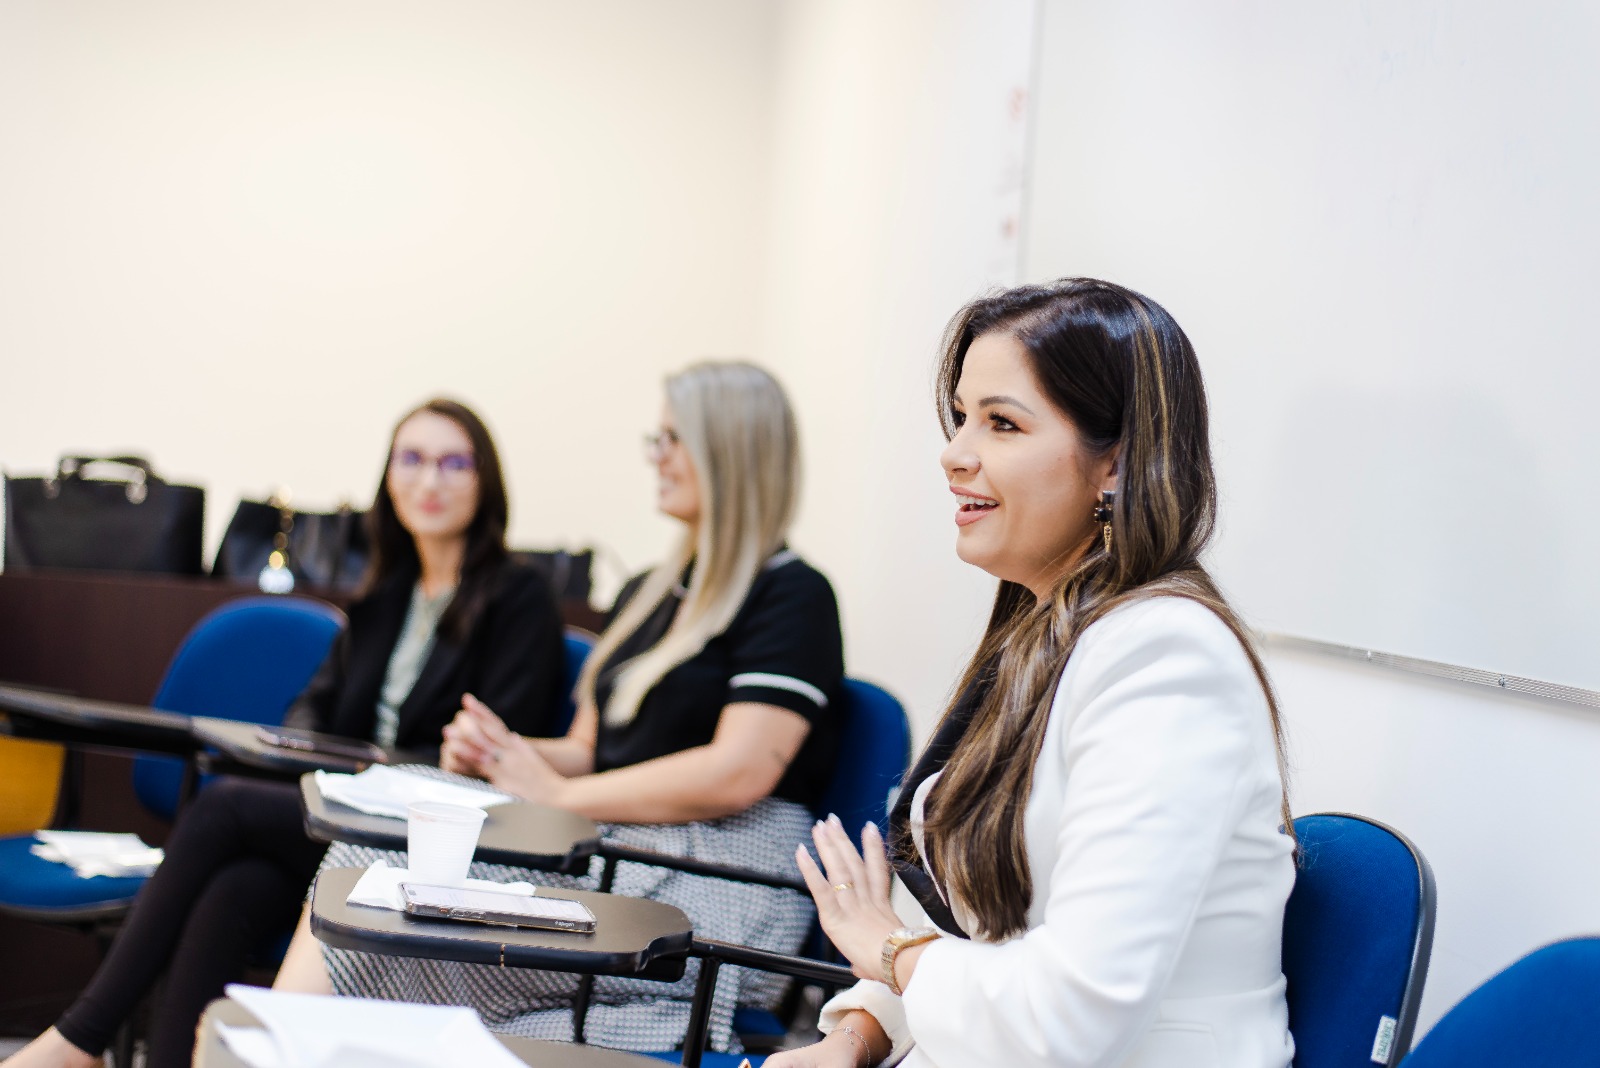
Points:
(736, 422)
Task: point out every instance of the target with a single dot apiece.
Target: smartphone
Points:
(489, 906)
(327, 744)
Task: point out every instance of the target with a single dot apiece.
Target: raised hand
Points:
(851, 890)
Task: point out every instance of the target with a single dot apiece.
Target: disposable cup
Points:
(440, 840)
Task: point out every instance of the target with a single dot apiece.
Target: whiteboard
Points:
(1378, 224)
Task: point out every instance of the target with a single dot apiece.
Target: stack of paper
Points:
(386, 791)
(312, 1031)
(92, 853)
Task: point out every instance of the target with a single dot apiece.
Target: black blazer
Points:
(512, 659)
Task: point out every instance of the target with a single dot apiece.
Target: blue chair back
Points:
(246, 660)
(1356, 938)
(1542, 1012)
(578, 644)
(874, 749)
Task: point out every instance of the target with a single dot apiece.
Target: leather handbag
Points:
(270, 545)
(570, 575)
(123, 518)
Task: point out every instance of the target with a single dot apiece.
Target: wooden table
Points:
(519, 833)
(110, 635)
(212, 1052)
(633, 936)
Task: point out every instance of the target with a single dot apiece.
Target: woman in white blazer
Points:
(1095, 828)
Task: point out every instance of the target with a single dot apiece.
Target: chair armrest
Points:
(766, 960)
(613, 852)
(714, 954)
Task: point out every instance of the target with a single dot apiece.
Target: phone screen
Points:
(449, 897)
(310, 742)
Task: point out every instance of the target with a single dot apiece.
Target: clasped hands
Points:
(477, 742)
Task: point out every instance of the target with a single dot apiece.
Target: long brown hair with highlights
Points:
(1120, 368)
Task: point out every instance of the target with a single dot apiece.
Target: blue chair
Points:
(874, 751)
(1357, 934)
(1541, 1012)
(577, 644)
(248, 659)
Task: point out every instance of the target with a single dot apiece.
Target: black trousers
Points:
(237, 866)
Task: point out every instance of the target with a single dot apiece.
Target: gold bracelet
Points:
(857, 1035)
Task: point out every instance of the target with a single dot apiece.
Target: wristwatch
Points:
(904, 938)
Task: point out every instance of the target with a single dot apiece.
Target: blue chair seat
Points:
(1538, 1013)
(44, 890)
(749, 1021)
(710, 1059)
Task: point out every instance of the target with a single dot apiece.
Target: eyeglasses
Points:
(660, 443)
(409, 464)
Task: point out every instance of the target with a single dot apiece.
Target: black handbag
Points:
(570, 575)
(134, 521)
(268, 544)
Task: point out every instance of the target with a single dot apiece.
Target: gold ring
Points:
(840, 888)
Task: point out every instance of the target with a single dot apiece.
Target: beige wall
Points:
(898, 169)
(242, 239)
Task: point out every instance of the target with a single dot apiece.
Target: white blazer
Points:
(1159, 875)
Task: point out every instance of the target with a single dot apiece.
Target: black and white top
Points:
(782, 648)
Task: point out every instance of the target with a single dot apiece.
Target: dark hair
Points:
(394, 550)
(1120, 368)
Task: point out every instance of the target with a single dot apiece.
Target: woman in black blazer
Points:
(446, 613)
(514, 651)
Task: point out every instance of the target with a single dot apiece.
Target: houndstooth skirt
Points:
(627, 1014)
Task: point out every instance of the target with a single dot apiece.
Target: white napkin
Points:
(380, 887)
(316, 1031)
(386, 791)
(92, 853)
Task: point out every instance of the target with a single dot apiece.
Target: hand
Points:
(508, 760)
(852, 893)
(466, 749)
(837, 1050)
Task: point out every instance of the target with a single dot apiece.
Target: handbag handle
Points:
(73, 467)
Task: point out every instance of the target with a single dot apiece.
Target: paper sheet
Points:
(314, 1031)
(386, 791)
(380, 887)
(92, 853)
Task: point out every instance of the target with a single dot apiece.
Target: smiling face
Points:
(1025, 485)
(433, 478)
(678, 488)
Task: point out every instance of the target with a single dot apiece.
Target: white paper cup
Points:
(440, 840)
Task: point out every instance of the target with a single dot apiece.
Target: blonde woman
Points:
(706, 726)
(1096, 827)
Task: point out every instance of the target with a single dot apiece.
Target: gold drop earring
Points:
(1102, 515)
